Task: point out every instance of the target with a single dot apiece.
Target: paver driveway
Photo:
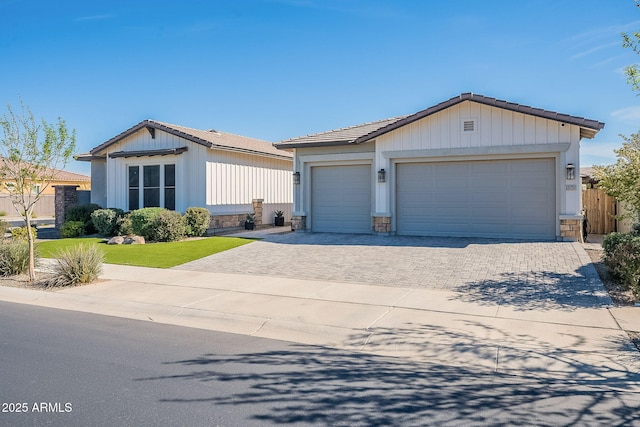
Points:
(538, 274)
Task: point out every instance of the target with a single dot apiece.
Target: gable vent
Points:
(469, 125)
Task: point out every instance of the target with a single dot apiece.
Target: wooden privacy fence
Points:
(600, 210)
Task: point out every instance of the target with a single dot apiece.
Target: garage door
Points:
(341, 199)
(503, 198)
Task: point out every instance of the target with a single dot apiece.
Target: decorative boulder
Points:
(116, 240)
(134, 240)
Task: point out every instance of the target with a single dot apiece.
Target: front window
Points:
(151, 186)
(155, 187)
(134, 187)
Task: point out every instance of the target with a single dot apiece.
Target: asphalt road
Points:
(75, 369)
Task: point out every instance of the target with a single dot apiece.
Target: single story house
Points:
(60, 177)
(160, 164)
(471, 166)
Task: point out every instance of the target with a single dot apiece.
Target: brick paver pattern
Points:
(499, 270)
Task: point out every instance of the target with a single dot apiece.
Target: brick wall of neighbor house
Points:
(65, 197)
(571, 229)
(298, 222)
(382, 224)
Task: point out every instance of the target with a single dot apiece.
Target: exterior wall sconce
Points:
(296, 178)
(382, 176)
(571, 171)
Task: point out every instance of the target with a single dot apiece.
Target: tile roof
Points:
(341, 136)
(62, 175)
(366, 132)
(208, 138)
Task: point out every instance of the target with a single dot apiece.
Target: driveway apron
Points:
(538, 274)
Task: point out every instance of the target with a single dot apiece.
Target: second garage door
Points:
(502, 198)
(341, 199)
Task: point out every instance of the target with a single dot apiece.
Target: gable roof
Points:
(366, 132)
(208, 138)
(61, 175)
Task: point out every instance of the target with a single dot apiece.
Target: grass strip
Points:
(157, 255)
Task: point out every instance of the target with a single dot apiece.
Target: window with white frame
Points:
(152, 186)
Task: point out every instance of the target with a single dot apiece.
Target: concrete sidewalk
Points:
(433, 325)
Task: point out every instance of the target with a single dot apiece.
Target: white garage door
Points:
(341, 199)
(502, 198)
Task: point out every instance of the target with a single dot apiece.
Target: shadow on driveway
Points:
(539, 290)
(527, 274)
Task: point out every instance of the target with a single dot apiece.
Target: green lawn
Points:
(159, 255)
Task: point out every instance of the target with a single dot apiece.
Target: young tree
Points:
(622, 179)
(31, 153)
(632, 41)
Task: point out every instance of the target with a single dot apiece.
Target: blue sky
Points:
(275, 69)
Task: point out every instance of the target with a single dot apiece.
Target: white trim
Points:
(462, 153)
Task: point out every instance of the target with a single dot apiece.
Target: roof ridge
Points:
(211, 131)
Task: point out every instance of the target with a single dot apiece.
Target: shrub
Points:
(196, 221)
(167, 226)
(622, 257)
(612, 240)
(124, 227)
(14, 257)
(72, 229)
(82, 213)
(20, 233)
(77, 265)
(105, 221)
(142, 220)
(4, 226)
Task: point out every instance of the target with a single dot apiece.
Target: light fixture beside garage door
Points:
(296, 178)
(571, 171)
(382, 176)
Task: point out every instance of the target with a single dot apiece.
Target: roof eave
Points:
(588, 128)
(149, 125)
(87, 157)
(285, 145)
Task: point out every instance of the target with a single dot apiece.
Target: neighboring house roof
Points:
(208, 138)
(586, 172)
(62, 175)
(70, 176)
(366, 132)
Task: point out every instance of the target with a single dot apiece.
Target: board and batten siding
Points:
(494, 127)
(222, 181)
(235, 179)
(498, 133)
(186, 183)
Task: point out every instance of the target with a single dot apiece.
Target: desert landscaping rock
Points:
(130, 240)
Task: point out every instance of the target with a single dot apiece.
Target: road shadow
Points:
(311, 385)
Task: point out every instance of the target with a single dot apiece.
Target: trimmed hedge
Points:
(142, 220)
(72, 229)
(105, 221)
(196, 221)
(167, 226)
